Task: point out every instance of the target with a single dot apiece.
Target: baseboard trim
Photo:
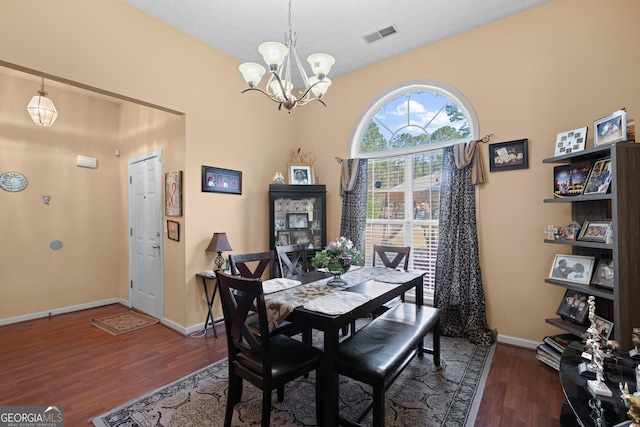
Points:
(62, 310)
(519, 342)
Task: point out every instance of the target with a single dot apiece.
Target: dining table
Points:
(309, 300)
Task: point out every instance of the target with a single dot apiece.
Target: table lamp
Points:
(218, 244)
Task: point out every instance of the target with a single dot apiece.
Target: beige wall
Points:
(532, 75)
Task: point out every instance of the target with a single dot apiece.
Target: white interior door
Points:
(146, 234)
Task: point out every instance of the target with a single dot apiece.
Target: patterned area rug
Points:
(421, 396)
(124, 322)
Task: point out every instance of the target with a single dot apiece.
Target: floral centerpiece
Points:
(337, 257)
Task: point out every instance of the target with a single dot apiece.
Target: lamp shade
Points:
(273, 53)
(252, 73)
(321, 63)
(42, 110)
(219, 243)
(319, 87)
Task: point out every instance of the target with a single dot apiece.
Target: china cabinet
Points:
(297, 215)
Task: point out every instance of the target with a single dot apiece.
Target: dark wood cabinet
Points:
(621, 204)
(297, 214)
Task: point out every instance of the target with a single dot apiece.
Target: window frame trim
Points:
(402, 89)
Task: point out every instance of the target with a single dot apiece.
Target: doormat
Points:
(124, 322)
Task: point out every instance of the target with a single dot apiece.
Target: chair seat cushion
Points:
(376, 351)
(288, 357)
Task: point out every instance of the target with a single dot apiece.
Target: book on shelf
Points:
(561, 341)
(548, 352)
(549, 362)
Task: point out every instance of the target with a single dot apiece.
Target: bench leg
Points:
(378, 406)
(436, 344)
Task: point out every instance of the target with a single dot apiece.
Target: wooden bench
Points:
(379, 352)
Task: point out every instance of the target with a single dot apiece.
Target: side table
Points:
(211, 275)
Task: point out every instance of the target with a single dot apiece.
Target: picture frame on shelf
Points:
(173, 193)
(173, 230)
(595, 230)
(603, 326)
(571, 141)
(572, 268)
(510, 155)
(304, 237)
(301, 174)
(610, 129)
(599, 177)
(573, 306)
(605, 273)
(284, 238)
(569, 231)
(297, 221)
(569, 180)
(218, 180)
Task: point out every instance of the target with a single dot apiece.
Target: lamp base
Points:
(219, 261)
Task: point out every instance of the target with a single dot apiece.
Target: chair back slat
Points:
(253, 265)
(292, 260)
(398, 253)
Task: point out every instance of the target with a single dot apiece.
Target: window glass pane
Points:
(386, 188)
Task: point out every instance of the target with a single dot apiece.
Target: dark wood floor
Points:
(65, 361)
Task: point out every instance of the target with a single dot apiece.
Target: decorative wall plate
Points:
(13, 182)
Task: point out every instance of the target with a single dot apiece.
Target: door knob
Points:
(156, 246)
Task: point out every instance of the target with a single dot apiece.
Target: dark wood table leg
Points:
(330, 395)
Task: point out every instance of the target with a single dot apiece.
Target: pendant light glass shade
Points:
(41, 108)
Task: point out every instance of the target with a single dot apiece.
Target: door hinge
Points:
(130, 180)
(130, 232)
(131, 284)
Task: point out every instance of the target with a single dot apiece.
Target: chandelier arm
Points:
(306, 101)
(284, 92)
(271, 97)
(306, 93)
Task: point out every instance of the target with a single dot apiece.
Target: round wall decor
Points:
(13, 182)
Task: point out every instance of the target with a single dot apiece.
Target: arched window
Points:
(402, 134)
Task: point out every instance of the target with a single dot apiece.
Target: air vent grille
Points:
(379, 35)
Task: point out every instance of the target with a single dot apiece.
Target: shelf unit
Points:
(621, 304)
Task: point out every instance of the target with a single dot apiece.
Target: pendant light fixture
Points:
(279, 87)
(41, 108)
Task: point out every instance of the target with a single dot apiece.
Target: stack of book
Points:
(551, 349)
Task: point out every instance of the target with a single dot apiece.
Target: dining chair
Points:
(266, 363)
(391, 257)
(253, 266)
(292, 260)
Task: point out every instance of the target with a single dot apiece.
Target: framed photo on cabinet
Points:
(571, 141)
(599, 177)
(574, 306)
(569, 180)
(604, 274)
(610, 129)
(572, 268)
(603, 326)
(300, 174)
(595, 230)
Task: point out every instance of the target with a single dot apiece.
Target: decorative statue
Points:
(278, 178)
(594, 342)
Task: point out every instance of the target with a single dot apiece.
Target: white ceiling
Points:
(336, 27)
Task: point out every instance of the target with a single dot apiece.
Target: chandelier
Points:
(279, 87)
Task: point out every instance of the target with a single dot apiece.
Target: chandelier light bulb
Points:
(273, 53)
(252, 73)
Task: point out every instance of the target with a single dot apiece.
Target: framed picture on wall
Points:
(505, 156)
(173, 230)
(218, 180)
(173, 193)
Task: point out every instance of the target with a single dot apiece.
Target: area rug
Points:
(423, 395)
(124, 322)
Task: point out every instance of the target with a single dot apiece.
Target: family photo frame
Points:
(571, 141)
(511, 155)
(218, 180)
(298, 221)
(574, 306)
(604, 274)
(610, 129)
(603, 326)
(301, 174)
(572, 268)
(595, 230)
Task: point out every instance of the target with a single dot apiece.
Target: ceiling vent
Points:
(379, 35)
